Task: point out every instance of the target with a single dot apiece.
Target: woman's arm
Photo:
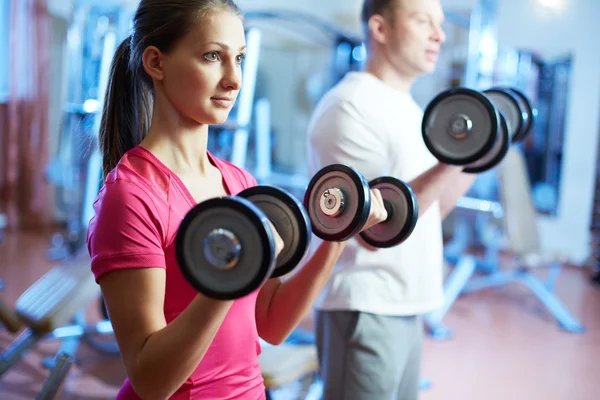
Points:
(282, 304)
(158, 357)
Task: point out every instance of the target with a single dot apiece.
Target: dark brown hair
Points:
(128, 103)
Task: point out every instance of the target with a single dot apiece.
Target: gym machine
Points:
(53, 308)
(95, 26)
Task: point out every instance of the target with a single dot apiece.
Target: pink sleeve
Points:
(126, 231)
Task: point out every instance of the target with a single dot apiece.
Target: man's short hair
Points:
(372, 7)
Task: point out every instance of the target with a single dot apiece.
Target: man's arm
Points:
(459, 187)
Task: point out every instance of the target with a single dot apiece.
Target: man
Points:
(369, 329)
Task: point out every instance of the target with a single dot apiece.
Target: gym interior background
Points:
(521, 320)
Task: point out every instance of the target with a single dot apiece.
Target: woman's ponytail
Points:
(127, 109)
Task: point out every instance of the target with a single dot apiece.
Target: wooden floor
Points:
(505, 344)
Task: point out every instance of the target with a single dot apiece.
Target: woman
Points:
(179, 72)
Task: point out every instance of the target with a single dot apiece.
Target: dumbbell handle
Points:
(389, 208)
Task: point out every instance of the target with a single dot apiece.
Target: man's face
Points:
(413, 36)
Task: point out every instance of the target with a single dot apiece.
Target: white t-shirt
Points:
(367, 124)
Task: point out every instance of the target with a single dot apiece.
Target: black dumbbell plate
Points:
(225, 248)
(509, 106)
(290, 219)
(459, 126)
(403, 211)
(338, 201)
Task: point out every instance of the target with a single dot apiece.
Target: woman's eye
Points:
(240, 58)
(213, 56)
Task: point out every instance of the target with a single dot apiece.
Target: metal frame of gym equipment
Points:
(61, 365)
(69, 335)
(54, 381)
(299, 371)
(347, 47)
(461, 280)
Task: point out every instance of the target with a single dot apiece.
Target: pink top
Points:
(137, 214)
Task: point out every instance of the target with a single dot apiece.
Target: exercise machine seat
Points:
(287, 363)
(53, 300)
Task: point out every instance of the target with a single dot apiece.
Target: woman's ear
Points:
(152, 60)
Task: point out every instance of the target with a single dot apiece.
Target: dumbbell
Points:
(225, 246)
(338, 202)
(474, 129)
(516, 108)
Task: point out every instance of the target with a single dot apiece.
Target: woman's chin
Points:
(217, 118)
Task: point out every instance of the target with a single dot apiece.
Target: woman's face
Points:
(202, 73)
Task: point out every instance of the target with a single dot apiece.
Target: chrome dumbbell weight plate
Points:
(460, 126)
(528, 111)
(510, 107)
(496, 154)
(290, 220)
(225, 248)
(338, 201)
(401, 205)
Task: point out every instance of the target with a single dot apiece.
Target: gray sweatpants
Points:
(369, 357)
